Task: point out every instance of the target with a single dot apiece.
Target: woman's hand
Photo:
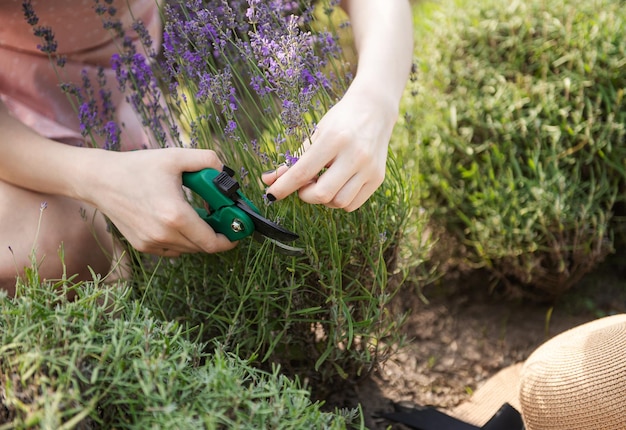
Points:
(344, 162)
(141, 193)
(352, 138)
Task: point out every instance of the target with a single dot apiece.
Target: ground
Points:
(464, 334)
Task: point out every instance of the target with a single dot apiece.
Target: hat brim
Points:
(501, 388)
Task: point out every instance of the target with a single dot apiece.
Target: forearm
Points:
(34, 162)
(383, 37)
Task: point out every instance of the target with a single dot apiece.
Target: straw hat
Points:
(577, 380)
(574, 381)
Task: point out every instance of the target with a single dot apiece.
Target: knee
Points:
(62, 241)
(7, 284)
(75, 247)
(578, 379)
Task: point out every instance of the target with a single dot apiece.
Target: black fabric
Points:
(428, 418)
(507, 418)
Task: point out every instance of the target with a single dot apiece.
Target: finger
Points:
(182, 232)
(313, 160)
(210, 243)
(271, 176)
(335, 188)
(161, 249)
(216, 243)
(156, 238)
(183, 245)
(361, 197)
(354, 193)
(167, 252)
(202, 237)
(198, 159)
(305, 171)
(346, 195)
(369, 187)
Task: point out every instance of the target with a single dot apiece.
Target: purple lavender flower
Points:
(109, 22)
(103, 9)
(96, 112)
(287, 57)
(88, 117)
(61, 60)
(144, 38)
(136, 78)
(45, 33)
(29, 13)
(290, 159)
(230, 128)
(112, 136)
(243, 174)
(228, 52)
(251, 12)
(106, 96)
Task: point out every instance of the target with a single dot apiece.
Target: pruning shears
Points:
(231, 213)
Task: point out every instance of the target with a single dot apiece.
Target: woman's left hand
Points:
(344, 162)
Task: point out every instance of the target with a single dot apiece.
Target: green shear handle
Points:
(224, 216)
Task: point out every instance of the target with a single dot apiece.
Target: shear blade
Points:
(280, 247)
(266, 227)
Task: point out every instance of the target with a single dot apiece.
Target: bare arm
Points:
(31, 161)
(351, 140)
(383, 35)
(139, 191)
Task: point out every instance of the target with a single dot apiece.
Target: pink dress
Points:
(29, 84)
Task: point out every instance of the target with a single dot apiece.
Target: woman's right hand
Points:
(141, 193)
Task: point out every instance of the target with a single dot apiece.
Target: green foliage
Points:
(522, 152)
(322, 316)
(103, 361)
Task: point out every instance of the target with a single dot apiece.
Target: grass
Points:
(519, 149)
(102, 360)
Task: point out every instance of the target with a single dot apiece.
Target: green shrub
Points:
(520, 135)
(323, 315)
(103, 361)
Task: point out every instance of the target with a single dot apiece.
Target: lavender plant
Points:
(69, 364)
(522, 158)
(250, 80)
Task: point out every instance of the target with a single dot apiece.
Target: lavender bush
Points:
(68, 364)
(250, 80)
(253, 89)
(521, 138)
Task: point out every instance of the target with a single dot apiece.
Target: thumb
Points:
(192, 159)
